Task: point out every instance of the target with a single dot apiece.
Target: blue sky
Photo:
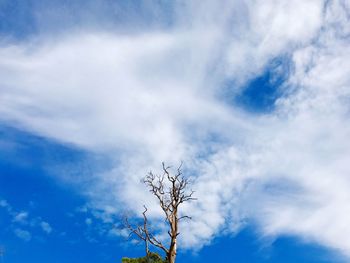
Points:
(253, 97)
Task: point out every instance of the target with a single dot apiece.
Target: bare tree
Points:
(171, 190)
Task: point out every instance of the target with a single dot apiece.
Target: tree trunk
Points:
(174, 232)
(172, 251)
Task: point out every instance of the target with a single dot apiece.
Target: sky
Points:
(252, 96)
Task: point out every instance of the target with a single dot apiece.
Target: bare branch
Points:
(157, 243)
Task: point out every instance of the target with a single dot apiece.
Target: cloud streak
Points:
(158, 95)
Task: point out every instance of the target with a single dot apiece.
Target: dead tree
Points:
(171, 190)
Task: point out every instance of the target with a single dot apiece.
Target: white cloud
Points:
(21, 217)
(311, 149)
(157, 96)
(3, 203)
(23, 234)
(46, 227)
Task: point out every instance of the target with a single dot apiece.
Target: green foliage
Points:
(151, 258)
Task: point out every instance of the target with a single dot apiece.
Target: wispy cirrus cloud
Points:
(158, 95)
